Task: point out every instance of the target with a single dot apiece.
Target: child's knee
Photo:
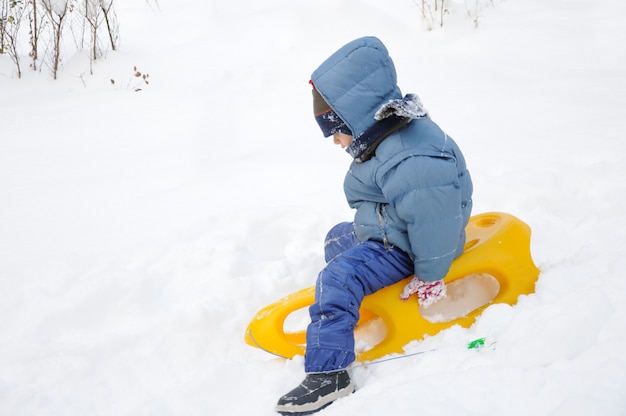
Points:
(340, 238)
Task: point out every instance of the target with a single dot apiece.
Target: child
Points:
(412, 194)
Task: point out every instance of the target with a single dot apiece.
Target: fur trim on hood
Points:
(410, 106)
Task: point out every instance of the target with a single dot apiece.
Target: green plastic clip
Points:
(476, 344)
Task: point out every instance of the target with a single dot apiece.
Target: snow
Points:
(141, 231)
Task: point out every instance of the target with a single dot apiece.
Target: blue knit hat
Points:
(328, 120)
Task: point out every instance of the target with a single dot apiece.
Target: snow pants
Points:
(354, 269)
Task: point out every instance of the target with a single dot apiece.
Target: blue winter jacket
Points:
(408, 182)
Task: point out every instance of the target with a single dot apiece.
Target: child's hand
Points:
(427, 292)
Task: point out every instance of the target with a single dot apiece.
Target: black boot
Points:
(317, 391)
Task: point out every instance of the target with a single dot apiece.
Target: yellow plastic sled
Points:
(496, 267)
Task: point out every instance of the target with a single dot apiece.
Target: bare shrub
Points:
(92, 24)
(11, 13)
(433, 12)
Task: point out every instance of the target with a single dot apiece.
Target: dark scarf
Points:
(364, 147)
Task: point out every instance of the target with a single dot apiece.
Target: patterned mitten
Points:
(427, 292)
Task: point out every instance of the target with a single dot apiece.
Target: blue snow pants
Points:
(354, 269)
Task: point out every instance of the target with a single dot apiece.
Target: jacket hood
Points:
(356, 81)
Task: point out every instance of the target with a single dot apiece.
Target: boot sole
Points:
(314, 407)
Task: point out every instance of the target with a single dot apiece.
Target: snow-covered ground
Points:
(141, 231)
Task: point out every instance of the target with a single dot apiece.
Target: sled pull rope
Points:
(397, 357)
(477, 344)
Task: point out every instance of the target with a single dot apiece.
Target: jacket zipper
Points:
(381, 222)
